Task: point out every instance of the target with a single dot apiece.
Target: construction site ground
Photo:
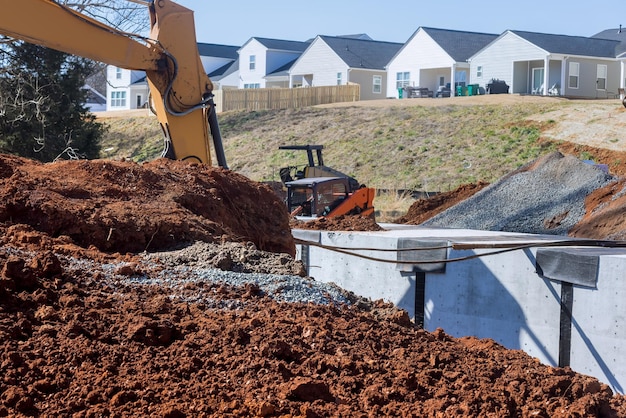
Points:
(86, 331)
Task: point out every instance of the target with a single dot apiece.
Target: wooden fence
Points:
(281, 98)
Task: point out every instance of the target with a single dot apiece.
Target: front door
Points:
(537, 81)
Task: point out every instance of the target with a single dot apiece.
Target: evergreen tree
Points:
(42, 104)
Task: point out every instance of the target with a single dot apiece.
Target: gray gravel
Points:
(544, 197)
(189, 275)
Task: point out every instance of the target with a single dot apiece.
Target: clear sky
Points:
(233, 22)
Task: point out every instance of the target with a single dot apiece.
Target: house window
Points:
(574, 69)
(252, 86)
(118, 73)
(442, 81)
(378, 84)
(339, 76)
(601, 77)
(479, 71)
(252, 62)
(118, 99)
(402, 79)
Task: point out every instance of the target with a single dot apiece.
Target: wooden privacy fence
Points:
(281, 98)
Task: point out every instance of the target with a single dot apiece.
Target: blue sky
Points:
(234, 22)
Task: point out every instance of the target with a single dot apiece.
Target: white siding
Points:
(320, 61)
(118, 85)
(497, 59)
(248, 76)
(420, 52)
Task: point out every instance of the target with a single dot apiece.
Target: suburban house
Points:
(337, 60)
(433, 59)
(546, 64)
(128, 89)
(262, 57)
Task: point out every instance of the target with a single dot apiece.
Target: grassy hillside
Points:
(408, 147)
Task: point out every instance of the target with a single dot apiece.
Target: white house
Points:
(128, 89)
(337, 60)
(260, 57)
(434, 58)
(539, 63)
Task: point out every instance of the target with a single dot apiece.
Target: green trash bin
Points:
(459, 90)
(470, 89)
(400, 93)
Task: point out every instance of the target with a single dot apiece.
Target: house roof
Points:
(283, 45)
(571, 45)
(282, 71)
(215, 50)
(460, 45)
(361, 36)
(362, 53)
(224, 70)
(617, 34)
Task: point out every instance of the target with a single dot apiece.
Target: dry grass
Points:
(419, 144)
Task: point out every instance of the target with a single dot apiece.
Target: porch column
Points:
(453, 81)
(546, 75)
(621, 80)
(563, 76)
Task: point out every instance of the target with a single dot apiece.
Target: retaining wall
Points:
(563, 305)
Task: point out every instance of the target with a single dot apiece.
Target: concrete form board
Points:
(501, 297)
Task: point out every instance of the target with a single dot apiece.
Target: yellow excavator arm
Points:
(181, 91)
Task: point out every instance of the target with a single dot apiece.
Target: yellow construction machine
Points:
(181, 92)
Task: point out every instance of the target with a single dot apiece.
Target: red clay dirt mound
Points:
(85, 338)
(605, 216)
(423, 209)
(339, 223)
(79, 342)
(126, 207)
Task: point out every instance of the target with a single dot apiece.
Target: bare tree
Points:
(125, 15)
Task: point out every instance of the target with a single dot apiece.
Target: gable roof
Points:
(224, 70)
(571, 45)
(216, 50)
(362, 36)
(362, 53)
(617, 34)
(282, 45)
(283, 70)
(460, 45)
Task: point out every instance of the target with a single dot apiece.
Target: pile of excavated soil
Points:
(126, 207)
(426, 208)
(93, 324)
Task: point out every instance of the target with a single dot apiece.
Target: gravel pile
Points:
(544, 197)
(193, 275)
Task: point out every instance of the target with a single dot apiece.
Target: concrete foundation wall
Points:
(504, 297)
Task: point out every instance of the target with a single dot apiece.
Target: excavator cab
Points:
(317, 197)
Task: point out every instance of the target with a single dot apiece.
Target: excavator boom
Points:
(181, 91)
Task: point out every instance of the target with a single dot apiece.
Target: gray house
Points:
(547, 64)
